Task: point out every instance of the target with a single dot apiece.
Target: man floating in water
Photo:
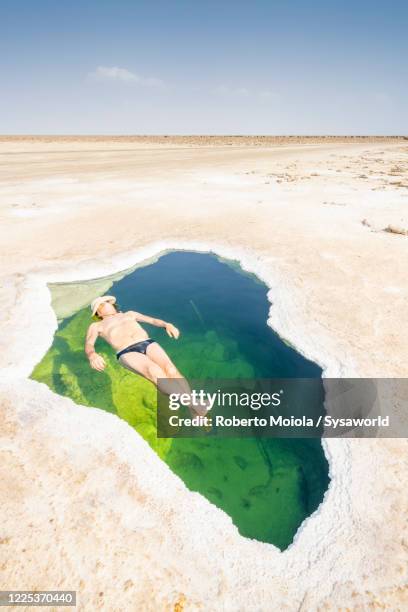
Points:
(135, 351)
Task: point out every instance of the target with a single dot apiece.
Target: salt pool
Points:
(267, 486)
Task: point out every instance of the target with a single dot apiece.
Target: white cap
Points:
(100, 300)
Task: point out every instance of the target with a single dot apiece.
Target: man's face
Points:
(106, 309)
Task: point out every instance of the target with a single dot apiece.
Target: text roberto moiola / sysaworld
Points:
(255, 401)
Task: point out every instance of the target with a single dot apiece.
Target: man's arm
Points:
(171, 329)
(96, 361)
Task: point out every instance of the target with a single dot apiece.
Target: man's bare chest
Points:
(120, 324)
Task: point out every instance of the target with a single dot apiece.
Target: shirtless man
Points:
(134, 349)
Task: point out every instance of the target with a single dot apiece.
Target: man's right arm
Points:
(95, 361)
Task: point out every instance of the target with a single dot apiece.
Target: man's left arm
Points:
(171, 329)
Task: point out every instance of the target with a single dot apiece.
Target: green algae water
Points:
(267, 486)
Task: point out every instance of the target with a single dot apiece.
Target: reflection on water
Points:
(267, 486)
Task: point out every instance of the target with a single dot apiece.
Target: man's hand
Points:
(172, 331)
(97, 362)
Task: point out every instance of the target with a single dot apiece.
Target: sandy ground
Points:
(85, 503)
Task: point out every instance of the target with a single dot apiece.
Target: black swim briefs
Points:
(138, 347)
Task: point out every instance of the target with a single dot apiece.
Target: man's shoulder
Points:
(95, 325)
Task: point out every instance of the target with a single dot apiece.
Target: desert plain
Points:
(86, 505)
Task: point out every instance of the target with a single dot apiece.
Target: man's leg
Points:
(146, 367)
(159, 356)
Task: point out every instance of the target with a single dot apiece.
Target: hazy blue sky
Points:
(227, 67)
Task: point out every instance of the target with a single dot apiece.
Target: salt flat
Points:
(85, 503)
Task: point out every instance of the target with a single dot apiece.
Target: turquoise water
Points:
(267, 486)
